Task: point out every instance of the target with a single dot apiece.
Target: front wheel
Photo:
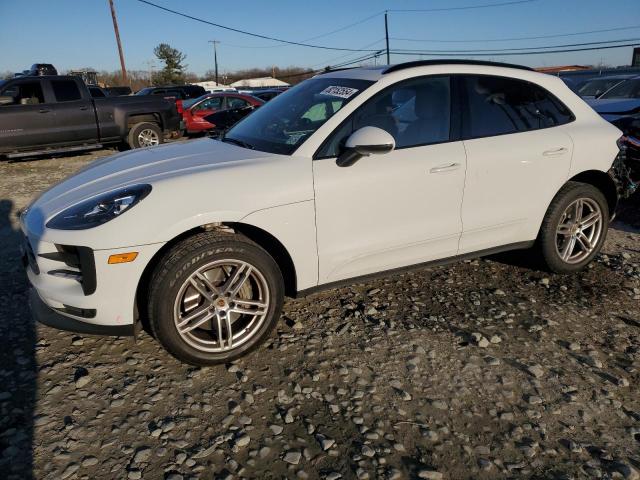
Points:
(214, 297)
(574, 228)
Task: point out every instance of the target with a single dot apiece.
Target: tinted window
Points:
(213, 103)
(235, 102)
(96, 92)
(66, 90)
(283, 124)
(499, 105)
(24, 93)
(415, 112)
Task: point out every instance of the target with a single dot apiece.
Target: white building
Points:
(263, 82)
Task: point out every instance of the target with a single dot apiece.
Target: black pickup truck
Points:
(56, 113)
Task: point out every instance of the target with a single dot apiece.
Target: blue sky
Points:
(79, 33)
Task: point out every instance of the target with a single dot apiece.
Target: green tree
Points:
(174, 68)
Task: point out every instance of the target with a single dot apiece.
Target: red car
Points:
(194, 110)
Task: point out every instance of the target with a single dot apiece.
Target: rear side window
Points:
(499, 105)
(235, 102)
(65, 90)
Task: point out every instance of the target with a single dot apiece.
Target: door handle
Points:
(44, 110)
(84, 108)
(554, 152)
(445, 168)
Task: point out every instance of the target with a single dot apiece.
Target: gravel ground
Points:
(485, 369)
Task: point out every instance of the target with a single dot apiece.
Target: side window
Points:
(96, 92)
(415, 112)
(66, 90)
(24, 93)
(234, 102)
(499, 105)
(210, 104)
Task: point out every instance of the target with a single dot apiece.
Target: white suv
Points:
(351, 173)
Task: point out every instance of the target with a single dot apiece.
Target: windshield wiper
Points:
(239, 143)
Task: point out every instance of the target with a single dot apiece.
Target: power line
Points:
(328, 62)
(346, 27)
(244, 32)
(516, 38)
(468, 7)
(524, 49)
(503, 53)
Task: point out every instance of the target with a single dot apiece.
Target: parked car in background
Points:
(619, 101)
(267, 94)
(117, 91)
(51, 114)
(595, 87)
(326, 183)
(194, 111)
(174, 92)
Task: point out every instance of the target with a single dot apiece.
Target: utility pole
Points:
(115, 29)
(215, 57)
(386, 36)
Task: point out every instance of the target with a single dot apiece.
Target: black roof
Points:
(455, 61)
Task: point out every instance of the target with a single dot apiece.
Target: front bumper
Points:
(46, 315)
(61, 298)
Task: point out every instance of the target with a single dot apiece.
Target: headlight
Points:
(98, 210)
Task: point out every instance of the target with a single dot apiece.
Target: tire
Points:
(559, 228)
(145, 134)
(181, 298)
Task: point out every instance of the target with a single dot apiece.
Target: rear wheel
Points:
(145, 134)
(574, 228)
(214, 297)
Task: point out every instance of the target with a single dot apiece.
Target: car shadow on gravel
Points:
(18, 368)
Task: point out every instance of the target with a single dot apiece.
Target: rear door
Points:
(28, 121)
(518, 157)
(75, 116)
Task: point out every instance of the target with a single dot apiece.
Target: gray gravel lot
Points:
(486, 369)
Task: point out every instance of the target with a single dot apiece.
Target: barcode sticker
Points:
(342, 92)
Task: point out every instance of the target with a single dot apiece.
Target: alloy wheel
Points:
(148, 138)
(579, 230)
(221, 306)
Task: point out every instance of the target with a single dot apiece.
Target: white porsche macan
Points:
(351, 173)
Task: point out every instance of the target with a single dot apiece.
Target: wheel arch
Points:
(261, 237)
(603, 182)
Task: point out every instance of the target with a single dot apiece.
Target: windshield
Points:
(284, 123)
(594, 88)
(628, 89)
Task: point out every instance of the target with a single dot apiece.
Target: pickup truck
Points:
(56, 113)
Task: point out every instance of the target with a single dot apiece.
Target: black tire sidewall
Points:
(132, 138)
(548, 233)
(162, 302)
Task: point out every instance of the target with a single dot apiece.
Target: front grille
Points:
(80, 265)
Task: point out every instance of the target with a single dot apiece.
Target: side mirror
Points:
(7, 100)
(364, 142)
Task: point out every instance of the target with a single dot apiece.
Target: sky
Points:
(79, 33)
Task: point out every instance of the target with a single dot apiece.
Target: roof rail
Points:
(455, 61)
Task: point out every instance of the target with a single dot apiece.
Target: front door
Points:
(396, 209)
(26, 122)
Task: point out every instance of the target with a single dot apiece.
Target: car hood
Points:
(147, 165)
(614, 105)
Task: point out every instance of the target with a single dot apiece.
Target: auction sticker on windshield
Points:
(342, 92)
